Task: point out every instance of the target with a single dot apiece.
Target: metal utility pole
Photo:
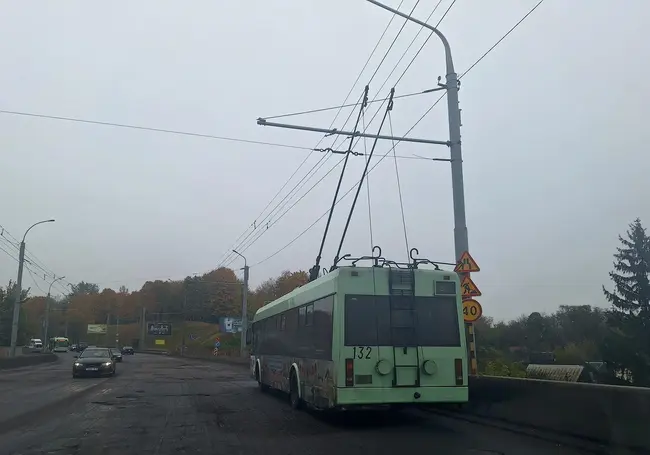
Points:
(108, 321)
(184, 322)
(461, 243)
(453, 109)
(244, 307)
(143, 327)
(18, 290)
(47, 311)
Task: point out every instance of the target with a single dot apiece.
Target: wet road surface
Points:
(160, 405)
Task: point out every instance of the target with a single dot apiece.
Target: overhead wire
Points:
(425, 41)
(517, 24)
(229, 251)
(325, 109)
(29, 257)
(230, 256)
(147, 128)
(275, 221)
(392, 43)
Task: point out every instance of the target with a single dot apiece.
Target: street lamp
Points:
(244, 306)
(461, 243)
(47, 308)
(18, 290)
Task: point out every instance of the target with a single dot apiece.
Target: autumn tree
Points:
(626, 346)
(6, 314)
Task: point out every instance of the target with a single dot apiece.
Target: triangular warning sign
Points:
(469, 288)
(466, 264)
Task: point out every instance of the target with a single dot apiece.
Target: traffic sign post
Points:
(472, 310)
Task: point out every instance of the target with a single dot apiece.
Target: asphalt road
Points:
(160, 405)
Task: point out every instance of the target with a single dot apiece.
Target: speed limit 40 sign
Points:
(472, 310)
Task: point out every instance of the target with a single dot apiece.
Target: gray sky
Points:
(554, 124)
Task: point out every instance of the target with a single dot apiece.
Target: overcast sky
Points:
(554, 134)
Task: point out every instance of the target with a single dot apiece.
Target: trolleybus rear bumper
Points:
(359, 396)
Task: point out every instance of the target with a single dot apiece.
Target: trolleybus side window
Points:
(292, 333)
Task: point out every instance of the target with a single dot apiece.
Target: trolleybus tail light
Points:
(349, 372)
(459, 371)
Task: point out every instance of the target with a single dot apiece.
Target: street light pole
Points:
(18, 290)
(47, 310)
(244, 307)
(461, 243)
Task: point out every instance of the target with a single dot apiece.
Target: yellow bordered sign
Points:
(472, 310)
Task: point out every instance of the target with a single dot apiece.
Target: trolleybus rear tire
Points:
(263, 387)
(294, 395)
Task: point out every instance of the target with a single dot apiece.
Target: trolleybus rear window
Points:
(376, 321)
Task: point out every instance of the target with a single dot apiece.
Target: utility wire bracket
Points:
(334, 131)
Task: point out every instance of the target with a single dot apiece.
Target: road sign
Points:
(217, 344)
(159, 328)
(472, 310)
(466, 264)
(469, 288)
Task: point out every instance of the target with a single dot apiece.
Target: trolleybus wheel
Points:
(263, 387)
(296, 402)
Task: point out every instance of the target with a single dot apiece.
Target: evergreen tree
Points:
(627, 346)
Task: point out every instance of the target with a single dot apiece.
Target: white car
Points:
(35, 345)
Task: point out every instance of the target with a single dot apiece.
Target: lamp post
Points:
(18, 290)
(47, 308)
(244, 306)
(461, 243)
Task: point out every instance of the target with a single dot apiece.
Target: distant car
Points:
(35, 345)
(73, 347)
(81, 346)
(94, 362)
(117, 355)
(127, 350)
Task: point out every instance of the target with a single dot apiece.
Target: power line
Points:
(405, 134)
(425, 41)
(503, 37)
(275, 221)
(29, 258)
(229, 251)
(146, 128)
(312, 111)
(393, 43)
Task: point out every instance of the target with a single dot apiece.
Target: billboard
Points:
(159, 328)
(230, 325)
(96, 328)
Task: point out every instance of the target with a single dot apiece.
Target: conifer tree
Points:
(627, 346)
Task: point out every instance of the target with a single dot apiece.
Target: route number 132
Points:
(361, 352)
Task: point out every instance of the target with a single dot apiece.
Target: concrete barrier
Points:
(237, 361)
(612, 415)
(26, 360)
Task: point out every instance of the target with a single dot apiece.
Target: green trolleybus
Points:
(365, 336)
(59, 344)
